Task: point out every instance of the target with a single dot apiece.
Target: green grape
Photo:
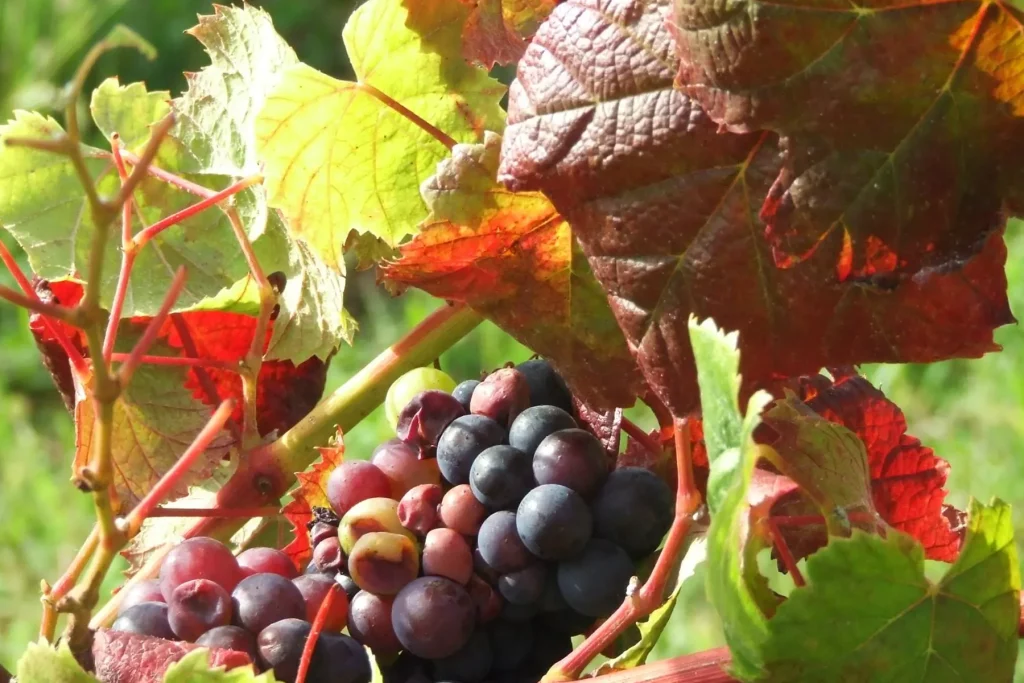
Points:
(411, 383)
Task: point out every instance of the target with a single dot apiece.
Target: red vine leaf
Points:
(311, 492)
(666, 208)
(904, 145)
(511, 256)
(497, 31)
(606, 425)
(907, 478)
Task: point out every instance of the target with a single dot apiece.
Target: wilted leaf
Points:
(43, 663)
(511, 257)
(733, 586)
(905, 123)
(895, 623)
(311, 492)
(666, 208)
(497, 31)
(342, 156)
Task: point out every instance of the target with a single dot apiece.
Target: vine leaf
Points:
(733, 585)
(495, 249)
(311, 492)
(123, 656)
(497, 31)
(907, 478)
(669, 218)
(128, 111)
(902, 147)
(827, 461)
(195, 668)
(216, 115)
(895, 622)
(342, 156)
(43, 663)
(606, 425)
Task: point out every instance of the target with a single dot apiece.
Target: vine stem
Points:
(314, 632)
(640, 603)
(701, 667)
(223, 513)
(640, 436)
(128, 251)
(179, 361)
(148, 233)
(269, 470)
(36, 305)
(131, 364)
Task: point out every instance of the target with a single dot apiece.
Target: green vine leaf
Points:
(342, 156)
(732, 586)
(128, 111)
(43, 663)
(895, 624)
(195, 668)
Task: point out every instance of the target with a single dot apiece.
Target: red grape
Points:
(196, 607)
(328, 556)
(369, 622)
(382, 563)
(314, 589)
(144, 591)
(417, 511)
(433, 617)
(488, 602)
(501, 396)
(320, 531)
(199, 558)
(428, 414)
(461, 511)
(354, 481)
(262, 599)
(446, 553)
(401, 464)
(267, 561)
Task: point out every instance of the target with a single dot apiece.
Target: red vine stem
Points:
(314, 632)
(169, 178)
(641, 437)
(661, 413)
(78, 363)
(180, 468)
(35, 304)
(179, 361)
(785, 554)
(650, 596)
(221, 513)
(148, 233)
(701, 667)
(127, 369)
(128, 252)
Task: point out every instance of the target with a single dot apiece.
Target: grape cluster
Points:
(488, 532)
(470, 548)
(256, 603)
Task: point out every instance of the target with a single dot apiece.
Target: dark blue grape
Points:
(634, 510)
(569, 621)
(407, 668)
(464, 439)
(511, 643)
(518, 613)
(500, 545)
(145, 619)
(501, 476)
(339, 659)
(524, 587)
(280, 647)
(546, 387)
(463, 393)
(535, 423)
(433, 617)
(230, 638)
(595, 582)
(549, 647)
(471, 664)
(554, 522)
(551, 599)
(572, 458)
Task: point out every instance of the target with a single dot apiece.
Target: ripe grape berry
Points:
(464, 439)
(463, 393)
(263, 599)
(280, 647)
(511, 643)
(418, 508)
(314, 589)
(547, 388)
(634, 510)
(524, 587)
(421, 423)
(501, 396)
(230, 638)
(471, 664)
(554, 522)
(368, 516)
(501, 476)
(369, 622)
(401, 464)
(500, 544)
(143, 591)
(573, 458)
(199, 558)
(534, 424)
(145, 619)
(446, 553)
(461, 511)
(433, 617)
(414, 382)
(261, 560)
(594, 583)
(196, 607)
(353, 482)
(382, 562)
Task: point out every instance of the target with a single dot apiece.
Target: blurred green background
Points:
(970, 412)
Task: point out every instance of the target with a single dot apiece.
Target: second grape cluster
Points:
(491, 530)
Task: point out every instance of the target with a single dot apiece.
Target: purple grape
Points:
(261, 560)
(470, 664)
(463, 393)
(554, 522)
(320, 531)
(524, 587)
(463, 440)
(230, 638)
(501, 476)
(369, 622)
(594, 583)
(511, 643)
(401, 464)
(339, 659)
(500, 545)
(573, 458)
(535, 424)
(196, 607)
(421, 423)
(145, 619)
(634, 509)
(144, 591)
(328, 555)
(280, 647)
(433, 617)
(263, 599)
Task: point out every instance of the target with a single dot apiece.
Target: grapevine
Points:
(676, 207)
